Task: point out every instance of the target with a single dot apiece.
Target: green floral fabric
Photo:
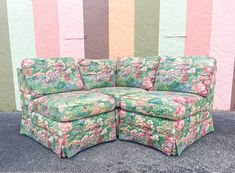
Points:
(72, 105)
(118, 92)
(185, 74)
(165, 104)
(150, 131)
(68, 138)
(52, 75)
(137, 72)
(97, 73)
(169, 119)
(161, 125)
(26, 95)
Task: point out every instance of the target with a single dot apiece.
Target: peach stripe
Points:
(121, 28)
(46, 28)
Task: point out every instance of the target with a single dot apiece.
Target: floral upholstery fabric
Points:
(66, 121)
(171, 105)
(26, 95)
(150, 131)
(61, 129)
(161, 125)
(185, 74)
(118, 92)
(97, 73)
(137, 72)
(52, 75)
(68, 138)
(72, 105)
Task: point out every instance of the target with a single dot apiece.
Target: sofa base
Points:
(145, 132)
(74, 139)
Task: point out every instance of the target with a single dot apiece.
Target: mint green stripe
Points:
(146, 27)
(7, 95)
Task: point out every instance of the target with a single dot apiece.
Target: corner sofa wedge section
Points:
(179, 110)
(71, 104)
(58, 112)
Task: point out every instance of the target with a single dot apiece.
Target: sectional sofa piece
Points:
(71, 104)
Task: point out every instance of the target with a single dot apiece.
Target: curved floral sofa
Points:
(71, 104)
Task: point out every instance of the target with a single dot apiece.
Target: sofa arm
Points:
(210, 96)
(26, 94)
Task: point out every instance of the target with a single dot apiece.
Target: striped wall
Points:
(111, 29)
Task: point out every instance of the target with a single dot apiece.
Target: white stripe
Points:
(21, 31)
(172, 27)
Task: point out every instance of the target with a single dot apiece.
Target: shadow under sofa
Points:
(71, 104)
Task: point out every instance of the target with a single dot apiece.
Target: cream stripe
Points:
(172, 27)
(21, 31)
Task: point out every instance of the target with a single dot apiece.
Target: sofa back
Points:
(97, 73)
(185, 74)
(180, 74)
(52, 75)
(137, 72)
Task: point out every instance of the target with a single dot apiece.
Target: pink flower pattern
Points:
(164, 105)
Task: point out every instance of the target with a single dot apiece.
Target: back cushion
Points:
(185, 74)
(97, 73)
(137, 72)
(52, 75)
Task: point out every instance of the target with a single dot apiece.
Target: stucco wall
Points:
(172, 27)
(198, 27)
(111, 29)
(96, 28)
(21, 32)
(146, 27)
(121, 28)
(7, 95)
(223, 48)
(71, 28)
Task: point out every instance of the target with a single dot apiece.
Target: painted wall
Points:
(112, 29)
(96, 28)
(46, 28)
(198, 27)
(121, 28)
(223, 48)
(146, 27)
(7, 94)
(71, 28)
(21, 33)
(172, 27)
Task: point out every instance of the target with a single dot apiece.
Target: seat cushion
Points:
(72, 105)
(137, 72)
(165, 104)
(52, 75)
(185, 74)
(118, 92)
(97, 73)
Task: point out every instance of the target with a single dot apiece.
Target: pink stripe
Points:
(223, 49)
(71, 27)
(198, 27)
(46, 28)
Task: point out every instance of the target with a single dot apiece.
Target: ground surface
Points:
(213, 153)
